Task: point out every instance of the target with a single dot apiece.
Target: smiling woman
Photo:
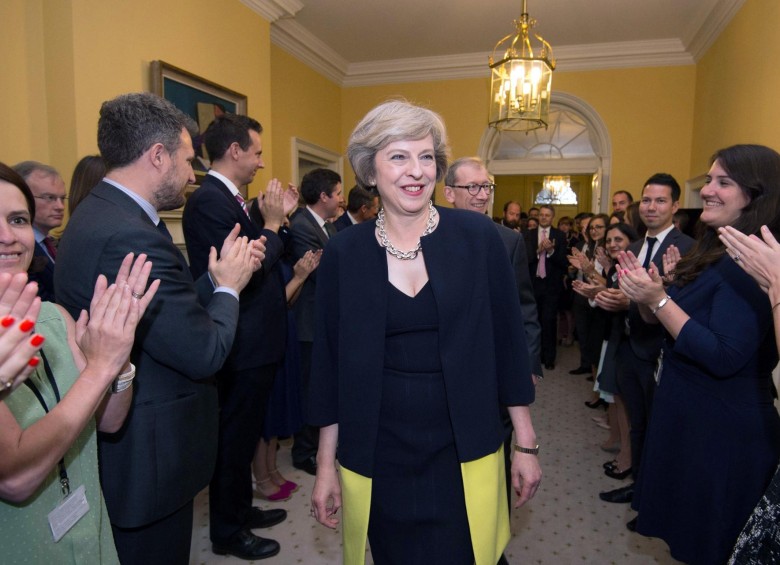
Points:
(434, 497)
(48, 429)
(714, 424)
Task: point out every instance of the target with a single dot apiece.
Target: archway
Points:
(576, 142)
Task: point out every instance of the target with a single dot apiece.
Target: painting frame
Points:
(187, 91)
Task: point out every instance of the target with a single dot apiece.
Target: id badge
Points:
(70, 510)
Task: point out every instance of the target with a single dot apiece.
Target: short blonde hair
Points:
(391, 121)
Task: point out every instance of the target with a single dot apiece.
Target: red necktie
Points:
(48, 242)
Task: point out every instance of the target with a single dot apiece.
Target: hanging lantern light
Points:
(521, 79)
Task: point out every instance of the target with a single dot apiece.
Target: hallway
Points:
(565, 523)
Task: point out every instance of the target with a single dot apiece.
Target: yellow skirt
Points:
(484, 486)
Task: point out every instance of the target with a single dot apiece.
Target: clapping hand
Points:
(759, 258)
(19, 307)
(670, 259)
(640, 285)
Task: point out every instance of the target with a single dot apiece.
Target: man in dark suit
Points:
(244, 383)
(362, 205)
(547, 264)
(310, 231)
(48, 188)
(164, 454)
(639, 353)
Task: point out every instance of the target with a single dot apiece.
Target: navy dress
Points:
(418, 510)
(713, 440)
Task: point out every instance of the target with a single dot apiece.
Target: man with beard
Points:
(512, 211)
(152, 468)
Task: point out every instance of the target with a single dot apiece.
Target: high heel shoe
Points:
(610, 464)
(597, 404)
(289, 486)
(615, 474)
(278, 496)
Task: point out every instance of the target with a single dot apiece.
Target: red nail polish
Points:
(37, 339)
(33, 362)
(26, 325)
(7, 321)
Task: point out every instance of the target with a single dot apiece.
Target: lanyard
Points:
(64, 482)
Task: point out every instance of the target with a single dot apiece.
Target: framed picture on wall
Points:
(200, 99)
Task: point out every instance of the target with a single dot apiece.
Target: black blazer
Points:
(515, 247)
(211, 212)
(557, 263)
(645, 339)
(306, 234)
(165, 452)
(343, 222)
(483, 353)
(45, 275)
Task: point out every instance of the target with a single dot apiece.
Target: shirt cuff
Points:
(228, 290)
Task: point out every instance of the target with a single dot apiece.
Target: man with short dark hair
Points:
(234, 145)
(310, 231)
(621, 200)
(362, 205)
(151, 470)
(48, 188)
(637, 355)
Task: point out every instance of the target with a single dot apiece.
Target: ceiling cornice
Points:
(716, 21)
(273, 10)
(309, 49)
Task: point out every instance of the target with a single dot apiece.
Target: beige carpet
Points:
(565, 523)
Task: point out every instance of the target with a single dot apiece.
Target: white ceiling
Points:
(361, 42)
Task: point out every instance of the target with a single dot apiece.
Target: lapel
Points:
(247, 227)
(118, 198)
(317, 229)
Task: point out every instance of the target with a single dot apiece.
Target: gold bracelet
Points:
(528, 450)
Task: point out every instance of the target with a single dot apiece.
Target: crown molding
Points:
(309, 49)
(273, 10)
(302, 44)
(714, 23)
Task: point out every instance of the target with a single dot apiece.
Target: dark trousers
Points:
(164, 542)
(307, 439)
(636, 384)
(547, 296)
(243, 397)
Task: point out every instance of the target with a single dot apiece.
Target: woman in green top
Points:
(51, 507)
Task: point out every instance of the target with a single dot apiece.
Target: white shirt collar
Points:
(228, 183)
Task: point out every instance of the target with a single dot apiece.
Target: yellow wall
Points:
(74, 54)
(737, 85)
(305, 105)
(22, 96)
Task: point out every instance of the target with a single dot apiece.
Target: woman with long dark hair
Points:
(713, 441)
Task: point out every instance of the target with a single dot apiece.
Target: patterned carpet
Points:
(565, 523)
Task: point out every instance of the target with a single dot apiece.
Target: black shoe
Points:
(631, 525)
(610, 464)
(597, 404)
(308, 465)
(613, 473)
(265, 518)
(580, 371)
(549, 366)
(619, 495)
(502, 560)
(246, 545)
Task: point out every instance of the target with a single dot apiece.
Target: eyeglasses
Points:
(51, 198)
(474, 188)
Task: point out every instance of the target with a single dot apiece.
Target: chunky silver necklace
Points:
(390, 248)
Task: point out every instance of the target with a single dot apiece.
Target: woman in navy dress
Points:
(713, 440)
(418, 340)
